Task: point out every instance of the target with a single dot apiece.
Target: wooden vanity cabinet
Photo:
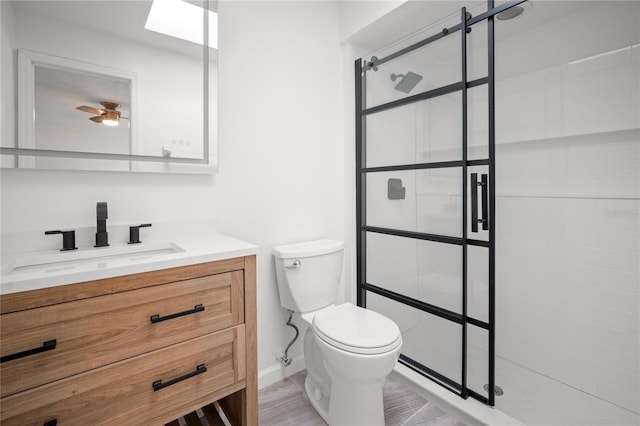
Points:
(140, 349)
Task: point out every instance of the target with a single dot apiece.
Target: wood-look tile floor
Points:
(285, 403)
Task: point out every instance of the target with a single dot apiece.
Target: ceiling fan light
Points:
(109, 122)
(110, 119)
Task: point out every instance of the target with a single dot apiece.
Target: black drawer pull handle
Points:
(53, 422)
(157, 318)
(157, 385)
(49, 345)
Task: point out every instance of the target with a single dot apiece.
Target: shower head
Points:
(513, 12)
(408, 81)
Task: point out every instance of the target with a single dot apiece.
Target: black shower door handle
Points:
(484, 184)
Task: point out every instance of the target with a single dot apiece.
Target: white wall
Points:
(43, 200)
(281, 176)
(356, 15)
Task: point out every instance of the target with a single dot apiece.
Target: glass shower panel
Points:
(420, 132)
(392, 263)
(439, 129)
(426, 338)
(391, 137)
(439, 275)
(423, 270)
(477, 51)
(430, 67)
(478, 123)
(478, 283)
(438, 201)
(478, 360)
(426, 201)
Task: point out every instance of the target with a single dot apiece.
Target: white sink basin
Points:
(89, 258)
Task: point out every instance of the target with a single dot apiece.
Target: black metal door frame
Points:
(488, 220)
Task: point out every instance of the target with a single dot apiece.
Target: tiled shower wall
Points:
(567, 292)
(568, 250)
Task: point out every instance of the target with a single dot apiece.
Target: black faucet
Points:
(68, 239)
(102, 236)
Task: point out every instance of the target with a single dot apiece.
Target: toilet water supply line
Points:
(284, 359)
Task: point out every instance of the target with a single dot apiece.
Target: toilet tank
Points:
(308, 274)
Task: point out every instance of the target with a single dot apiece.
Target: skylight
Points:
(179, 19)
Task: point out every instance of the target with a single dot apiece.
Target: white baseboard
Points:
(277, 372)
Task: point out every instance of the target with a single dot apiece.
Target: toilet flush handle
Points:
(296, 264)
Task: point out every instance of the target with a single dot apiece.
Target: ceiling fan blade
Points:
(89, 109)
(110, 105)
(97, 119)
(126, 118)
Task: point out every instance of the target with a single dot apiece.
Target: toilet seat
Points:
(358, 330)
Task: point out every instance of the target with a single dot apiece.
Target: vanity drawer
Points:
(185, 376)
(94, 332)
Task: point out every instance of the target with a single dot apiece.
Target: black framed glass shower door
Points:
(425, 168)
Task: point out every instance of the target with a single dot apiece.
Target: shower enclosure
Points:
(498, 190)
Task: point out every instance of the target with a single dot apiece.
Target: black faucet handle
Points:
(68, 239)
(134, 233)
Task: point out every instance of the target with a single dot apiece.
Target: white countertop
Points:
(63, 269)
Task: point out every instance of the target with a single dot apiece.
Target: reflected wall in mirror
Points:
(66, 105)
(93, 54)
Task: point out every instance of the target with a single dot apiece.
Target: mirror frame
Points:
(137, 163)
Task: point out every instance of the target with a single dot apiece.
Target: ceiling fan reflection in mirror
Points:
(109, 115)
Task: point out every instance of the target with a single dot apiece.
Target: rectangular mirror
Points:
(97, 85)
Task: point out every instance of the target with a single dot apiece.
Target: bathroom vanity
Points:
(142, 348)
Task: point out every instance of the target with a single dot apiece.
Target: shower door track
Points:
(363, 286)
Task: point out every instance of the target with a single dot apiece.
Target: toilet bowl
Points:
(348, 350)
(358, 348)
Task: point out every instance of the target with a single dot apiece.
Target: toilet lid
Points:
(356, 329)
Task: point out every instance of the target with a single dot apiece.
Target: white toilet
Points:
(348, 350)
